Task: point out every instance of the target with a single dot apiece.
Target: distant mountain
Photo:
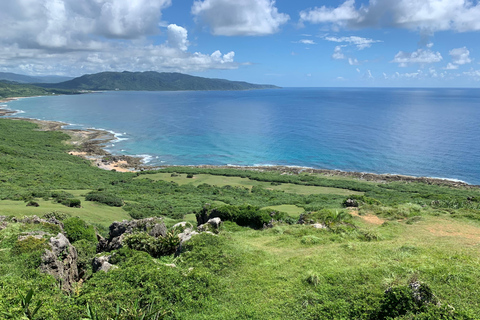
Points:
(151, 81)
(20, 78)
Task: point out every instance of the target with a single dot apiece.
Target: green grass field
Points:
(221, 181)
(91, 212)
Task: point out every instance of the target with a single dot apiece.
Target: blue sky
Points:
(305, 43)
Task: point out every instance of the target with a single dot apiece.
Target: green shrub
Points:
(86, 251)
(156, 247)
(32, 203)
(361, 199)
(310, 240)
(76, 229)
(105, 198)
(29, 245)
(414, 298)
(244, 215)
(72, 203)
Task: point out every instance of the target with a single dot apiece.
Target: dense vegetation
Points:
(12, 89)
(418, 262)
(151, 81)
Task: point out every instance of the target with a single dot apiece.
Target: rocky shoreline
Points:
(90, 143)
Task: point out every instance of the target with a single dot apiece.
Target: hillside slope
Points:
(151, 81)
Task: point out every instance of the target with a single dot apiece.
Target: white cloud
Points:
(460, 56)
(420, 56)
(239, 18)
(451, 66)
(116, 58)
(307, 41)
(343, 14)
(425, 15)
(360, 42)
(475, 74)
(177, 37)
(74, 37)
(338, 54)
(353, 61)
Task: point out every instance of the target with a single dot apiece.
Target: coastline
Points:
(90, 143)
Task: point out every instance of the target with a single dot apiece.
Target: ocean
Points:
(418, 132)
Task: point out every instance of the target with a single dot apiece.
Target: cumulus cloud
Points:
(425, 15)
(67, 23)
(75, 37)
(117, 57)
(460, 56)
(359, 42)
(345, 13)
(451, 66)
(421, 56)
(239, 18)
(177, 37)
(338, 54)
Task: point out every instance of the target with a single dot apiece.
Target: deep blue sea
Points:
(419, 132)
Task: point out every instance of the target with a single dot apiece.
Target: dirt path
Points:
(368, 218)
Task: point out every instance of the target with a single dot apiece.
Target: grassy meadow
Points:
(364, 263)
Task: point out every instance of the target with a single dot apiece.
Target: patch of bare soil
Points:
(368, 218)
(455, 230)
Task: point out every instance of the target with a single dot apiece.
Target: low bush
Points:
(86, 251)
(245, 215)
(76, 229)
(72, 203)
(156, 247)
(32, 203)
(105, 198)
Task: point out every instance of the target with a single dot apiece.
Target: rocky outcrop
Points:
(36, 220)
(213, 223)
(118, 230)
(61, 261)
(102, 264)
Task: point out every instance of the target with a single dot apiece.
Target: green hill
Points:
(13, 89)
(151, 81)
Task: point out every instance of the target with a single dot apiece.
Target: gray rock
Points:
(33, 234)
(36, 220)
(158, 230)
(102, 264)
(319, 226)
(213, 223)
(61, 261)
(186, 235)
(183, 224)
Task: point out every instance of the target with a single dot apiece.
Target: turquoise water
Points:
(420, 132)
